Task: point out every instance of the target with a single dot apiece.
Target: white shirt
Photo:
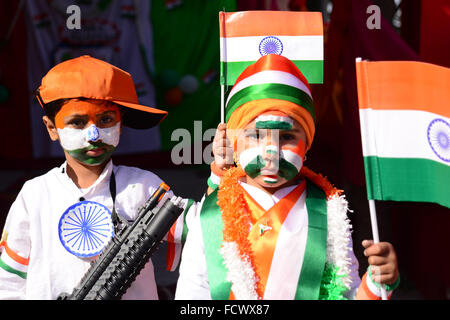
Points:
(32, 231)
(193, 281)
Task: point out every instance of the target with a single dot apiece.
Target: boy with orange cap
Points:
(63, 219)
(272, 228)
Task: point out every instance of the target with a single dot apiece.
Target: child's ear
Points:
(52, 132)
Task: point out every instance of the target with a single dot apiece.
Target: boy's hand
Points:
(222, 149)
(383, 261)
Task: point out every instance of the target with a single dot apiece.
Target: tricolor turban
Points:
(273, 83)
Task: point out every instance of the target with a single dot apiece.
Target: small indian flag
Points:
(404, 110)
(248, 35)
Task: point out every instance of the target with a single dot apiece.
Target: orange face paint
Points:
(91, 111)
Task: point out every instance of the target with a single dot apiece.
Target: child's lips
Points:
(267, 172)
(95, 152)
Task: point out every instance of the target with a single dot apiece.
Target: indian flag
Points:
(248, 35)
(404, 110)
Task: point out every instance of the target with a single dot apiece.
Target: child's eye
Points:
(287, 136)
(253, 134)
(106, 120)
(77, 123)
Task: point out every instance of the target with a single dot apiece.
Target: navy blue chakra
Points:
(438, 135)
(93, 134)
(85, 228)
(270, 45)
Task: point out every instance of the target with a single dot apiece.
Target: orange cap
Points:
(92, 78)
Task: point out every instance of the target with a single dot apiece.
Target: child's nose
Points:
(92, 133)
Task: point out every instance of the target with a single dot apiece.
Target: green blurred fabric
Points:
(186, 50)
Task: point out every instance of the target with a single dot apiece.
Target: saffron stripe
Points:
(17, 258)
(253, 23)
(288, 259)
(403, 85)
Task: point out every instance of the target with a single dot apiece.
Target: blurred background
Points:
(171, 49)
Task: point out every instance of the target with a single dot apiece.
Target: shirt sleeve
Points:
(15, 248)
(193, 281)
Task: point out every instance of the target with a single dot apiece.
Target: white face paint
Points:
(74, 139)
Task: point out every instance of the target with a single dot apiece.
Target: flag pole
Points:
(223, 59)
(372, 208)
(376, 237)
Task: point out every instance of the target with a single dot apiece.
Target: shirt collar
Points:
(264, 199)
(101, 180)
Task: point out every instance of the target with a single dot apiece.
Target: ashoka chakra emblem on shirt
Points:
(270, 45)
(438, 135)
(85, 228)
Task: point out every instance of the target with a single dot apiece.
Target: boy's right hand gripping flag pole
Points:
(404, 113)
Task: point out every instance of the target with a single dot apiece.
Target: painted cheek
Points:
(291, 160)
(251, 161)
(299, 149)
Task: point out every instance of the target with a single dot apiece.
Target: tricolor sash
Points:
(308, 286)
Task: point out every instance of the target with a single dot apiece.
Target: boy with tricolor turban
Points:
(272, 228)
(62, 220)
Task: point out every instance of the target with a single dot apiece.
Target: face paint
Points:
(270, 121)
(91, 145)
(72, 138)
(252, 161)
(287, 162)
(80, 144)
(291, 160)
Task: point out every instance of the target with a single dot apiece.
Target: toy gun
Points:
(127, 253)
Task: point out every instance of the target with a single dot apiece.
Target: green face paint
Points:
(273, 122)
(252, 162)
(82, 156)
(287, 170)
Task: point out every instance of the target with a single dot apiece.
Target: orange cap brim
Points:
(140, 117)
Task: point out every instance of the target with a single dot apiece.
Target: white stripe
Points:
(73, 139)
(397, 133)
(292, 158)
(287, 258)
(294, 48)
(240, 272)
(249, 155)
(270, 76)
(12, 263)
(215, 179)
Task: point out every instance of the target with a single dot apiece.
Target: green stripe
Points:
(271, 124)
(311, 69)
(6, 267)
(185, 228)
(212, 226)
(316, 246)
(270, 91)
(407, 179)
